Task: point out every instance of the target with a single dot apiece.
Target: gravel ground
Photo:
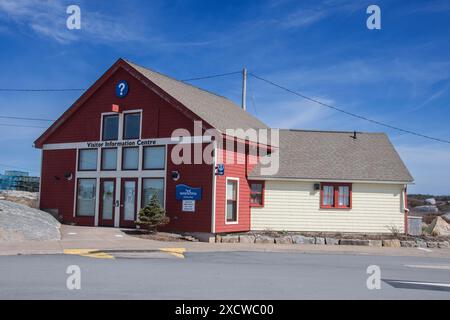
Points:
(19, 222)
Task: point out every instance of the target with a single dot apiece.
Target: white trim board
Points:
(127, 143)
(327, 180)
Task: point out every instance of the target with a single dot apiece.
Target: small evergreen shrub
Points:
(152, 215)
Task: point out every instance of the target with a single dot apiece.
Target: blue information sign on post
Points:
(184, 192)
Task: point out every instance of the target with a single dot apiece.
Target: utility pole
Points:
(244, 89)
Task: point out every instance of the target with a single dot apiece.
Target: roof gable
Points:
(215, 111)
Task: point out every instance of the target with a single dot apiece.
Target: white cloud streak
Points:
(48, 19)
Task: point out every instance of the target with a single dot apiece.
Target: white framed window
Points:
(87, 159)
(110, 127)
(131, 125)
(86, 196)
(154, 158)
(232, 201)
(109, 159)
(130, 158)
(151, 186)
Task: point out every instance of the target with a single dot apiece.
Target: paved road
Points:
(220, 275)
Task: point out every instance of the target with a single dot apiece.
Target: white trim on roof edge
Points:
(330, 180)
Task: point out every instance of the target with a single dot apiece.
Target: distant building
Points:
(19, 180)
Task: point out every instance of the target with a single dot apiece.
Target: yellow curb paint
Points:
(91, 253)
(177, 252)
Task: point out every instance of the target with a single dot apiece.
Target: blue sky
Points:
(399, 74)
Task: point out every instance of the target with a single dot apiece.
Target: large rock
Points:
(432, 244)
(444, 244)
(354, 242)
(375, 243)
(392, 243)
(303, 240)
(230, 239)
(283, 240)
(421, 243)
(19, 222)
(331, 241)
(320, 240)
(408, 244)
(430, 201)
(29, 199)
(264, 239)
(247, 239)
(439, 227)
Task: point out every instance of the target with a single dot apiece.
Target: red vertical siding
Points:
(56, 191)
(159, 120)
(233, 170)
(194, 175)
(159, 117)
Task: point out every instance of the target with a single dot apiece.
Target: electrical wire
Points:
(212, 76)
(350, 113)
(20, 126)
(25, 118)
(39, 90)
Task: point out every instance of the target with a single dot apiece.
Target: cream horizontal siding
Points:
(295, 206)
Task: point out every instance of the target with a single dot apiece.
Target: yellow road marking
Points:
(177, 252)
(91, 253)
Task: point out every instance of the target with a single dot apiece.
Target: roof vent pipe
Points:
(354, 135)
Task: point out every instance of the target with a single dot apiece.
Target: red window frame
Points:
(335, 195)
(263, 187)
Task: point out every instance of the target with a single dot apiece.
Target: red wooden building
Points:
(121, 142)
(111, 150)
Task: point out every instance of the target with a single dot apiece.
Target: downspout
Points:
(405, 207)
(213, 209)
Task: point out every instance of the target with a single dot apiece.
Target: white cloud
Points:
(297, 114)
(303, 18)
(48, 19)
(304, 15)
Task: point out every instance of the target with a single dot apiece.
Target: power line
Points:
(80, 89)
(39, 90)
(24, 118)
(212, 76)
(20, 126)
(349, 113)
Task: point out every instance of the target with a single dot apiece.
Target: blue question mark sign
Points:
(122, 89)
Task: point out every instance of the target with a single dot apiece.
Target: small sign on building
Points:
(220, 170)
(188, 205)
(184, 192)
(188, 195)
(122, 89)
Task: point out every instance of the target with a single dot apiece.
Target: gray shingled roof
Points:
(218, 111)
(325, 155)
